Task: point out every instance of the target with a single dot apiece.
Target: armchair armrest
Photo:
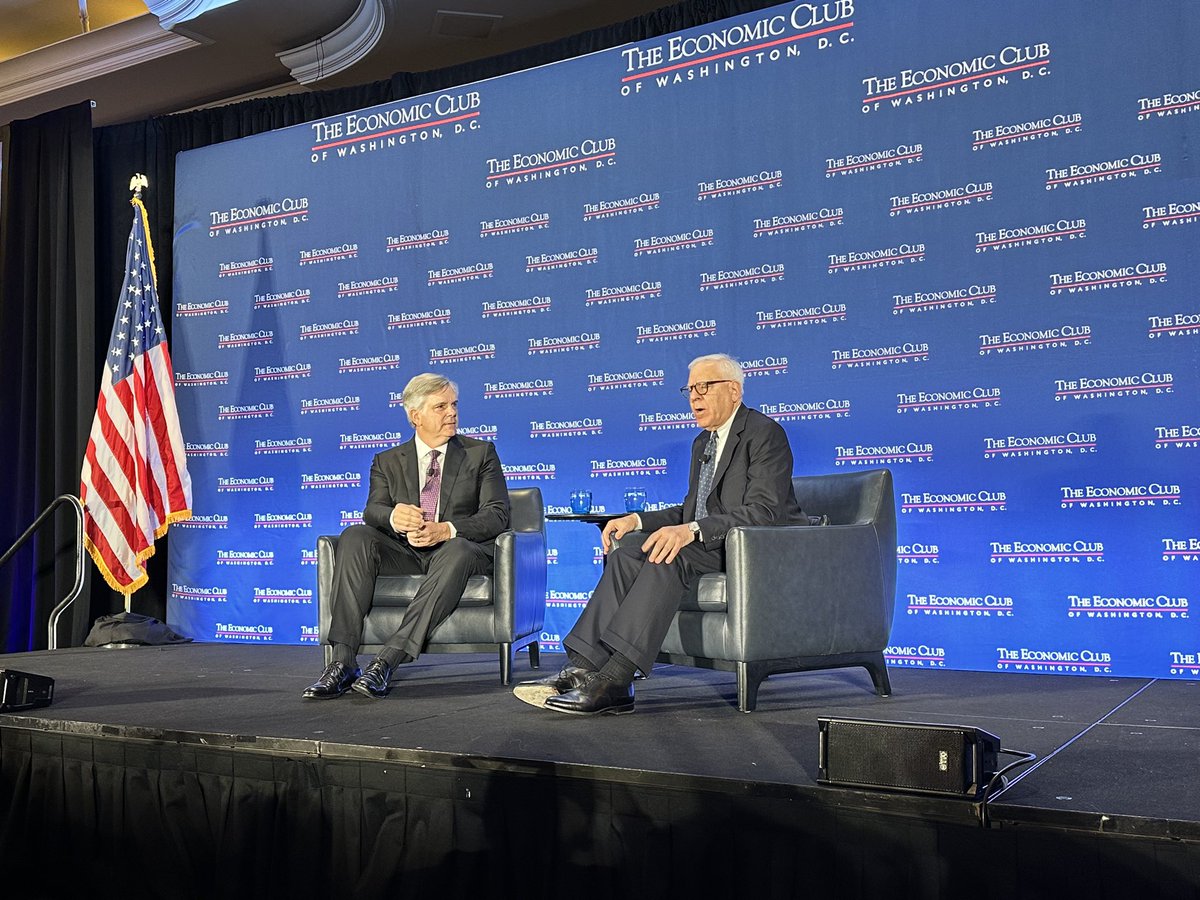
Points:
(326, 548)
(519, 582)
(805, 591)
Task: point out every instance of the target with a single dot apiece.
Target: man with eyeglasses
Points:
(741, 474)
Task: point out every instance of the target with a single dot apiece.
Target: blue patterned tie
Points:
(433, 487)
(708, 466)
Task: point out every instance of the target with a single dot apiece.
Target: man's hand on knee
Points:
(664, 545)
(615, 529)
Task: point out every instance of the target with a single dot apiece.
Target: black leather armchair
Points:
(796, 598)
(503, 612)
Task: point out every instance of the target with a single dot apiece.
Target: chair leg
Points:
(505, 663)
(534, 660)
(879, 676)
(749, 677)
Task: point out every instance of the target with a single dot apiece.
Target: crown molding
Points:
(173, 12)
(87, 56)
(341, 48)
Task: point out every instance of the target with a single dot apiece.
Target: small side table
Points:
(597, 519)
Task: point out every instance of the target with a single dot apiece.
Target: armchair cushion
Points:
(399, 590)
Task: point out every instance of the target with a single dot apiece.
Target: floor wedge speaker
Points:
(21, 690)
(948, 760)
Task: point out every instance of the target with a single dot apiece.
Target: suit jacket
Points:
(474, 494)
(751, 486)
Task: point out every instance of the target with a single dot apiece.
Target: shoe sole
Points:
(366, 692)
(607, 711)
(534, 694)
(307, 696)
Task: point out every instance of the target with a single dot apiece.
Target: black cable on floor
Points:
(981, 807)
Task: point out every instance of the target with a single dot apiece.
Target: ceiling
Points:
(138, 59)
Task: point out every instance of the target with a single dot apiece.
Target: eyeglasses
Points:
(701, 387)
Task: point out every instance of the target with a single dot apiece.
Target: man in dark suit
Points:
(435, 506)
(741, 474)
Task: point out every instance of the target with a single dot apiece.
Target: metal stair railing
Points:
(77, 506)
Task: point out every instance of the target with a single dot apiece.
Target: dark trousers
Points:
(631, 608)
(364, 552)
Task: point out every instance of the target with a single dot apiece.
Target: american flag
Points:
(135, 480)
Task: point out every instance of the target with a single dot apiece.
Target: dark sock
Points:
(619, 669)
(344, 654)
(394, 656)
(579, 661)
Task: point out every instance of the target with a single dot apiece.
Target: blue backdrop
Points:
(960, 245)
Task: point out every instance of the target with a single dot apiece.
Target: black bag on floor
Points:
(127, 628)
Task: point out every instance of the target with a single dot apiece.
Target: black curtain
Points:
(47, 344)
(150, 147)
(111, 819)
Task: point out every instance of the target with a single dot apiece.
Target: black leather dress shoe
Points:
(596, 696)
(335, 680)
(373, 682)
(566, 679)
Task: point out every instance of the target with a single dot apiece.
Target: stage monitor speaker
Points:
(22, 690)
(947, 760)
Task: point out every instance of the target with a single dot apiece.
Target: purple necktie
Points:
(433, 487)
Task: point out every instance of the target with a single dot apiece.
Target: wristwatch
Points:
(694, 527)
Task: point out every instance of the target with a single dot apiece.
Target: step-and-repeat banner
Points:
(958, 244)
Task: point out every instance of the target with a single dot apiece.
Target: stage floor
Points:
(1114, 755)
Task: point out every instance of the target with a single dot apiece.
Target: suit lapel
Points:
(732, 440)
(698, 446)
(410, 473)
(455, 454)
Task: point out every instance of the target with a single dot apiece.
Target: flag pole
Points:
(136, 183)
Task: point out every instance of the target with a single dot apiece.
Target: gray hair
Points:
(728, 366)
(421, 387)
